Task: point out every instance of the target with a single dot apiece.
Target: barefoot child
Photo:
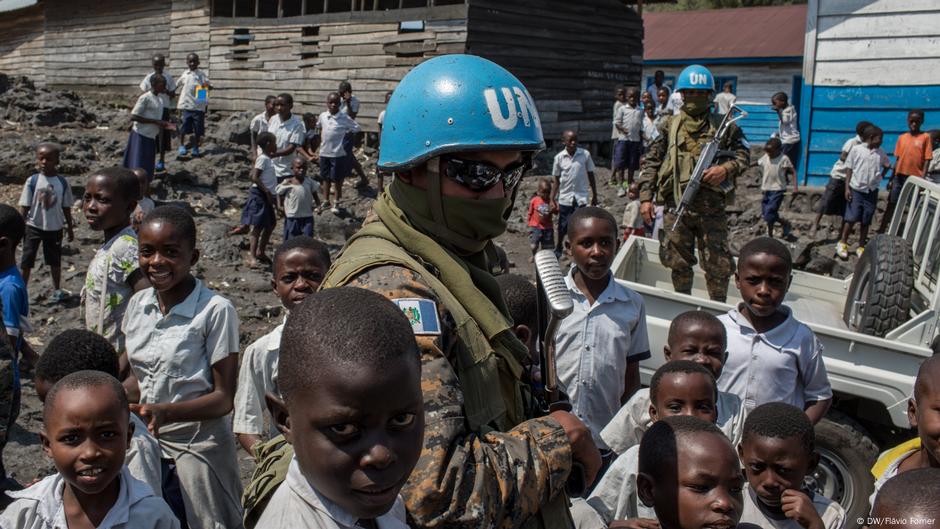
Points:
(113, 274)
(260, 206)
(46, 203)
(295, 199)
(299, 266)
(696, 336)
(778, 451)
(182, 344)
(86, 413)
(355, 449)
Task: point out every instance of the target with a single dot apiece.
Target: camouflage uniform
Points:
(705, 222)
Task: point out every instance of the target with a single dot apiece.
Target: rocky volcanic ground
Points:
(94, 132)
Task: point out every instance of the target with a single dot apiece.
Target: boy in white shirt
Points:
(169, 92)
(334, 127)
(87, 412)
(776, 171)
(295, 199)
(725, 100)
(789, 129)
(289, 131)
(572, 172)
(833, 199)
(194, 88)
(600, 345)
(629, 147)
(299, 266)
(865, 167)
(355, 449)
(772, 357)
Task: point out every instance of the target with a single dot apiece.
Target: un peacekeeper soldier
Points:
(666, 171)
(459, 133)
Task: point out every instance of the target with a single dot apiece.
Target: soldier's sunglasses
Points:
(479, 176)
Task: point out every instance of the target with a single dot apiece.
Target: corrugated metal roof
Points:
(13, 5)
(747, 32)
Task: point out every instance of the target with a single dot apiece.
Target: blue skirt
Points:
(257, 211)
(141, 152)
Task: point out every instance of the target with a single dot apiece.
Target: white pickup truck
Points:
(877, 327)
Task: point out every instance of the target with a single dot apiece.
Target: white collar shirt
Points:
(593, 346)
(572, 173)
(615, 495)
(631, 120)
(774, 172)
(784, 364)
(333, 128)
(259, 123)
(723, 102)
(290, 132)
(41, 507)
(831, 513)
(188, 82)
(867, 167)
(143, 458)
(173, 354)
(257, 376)
(297, 505)
(170, 87)
(838, 169)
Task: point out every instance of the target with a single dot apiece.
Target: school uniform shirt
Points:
(912, 153)
(615, 496)
(259, 123)
(257, 376)
(290, 132)
(572, 172)
(48, 200)
(788, 130)
(774, 172)
(724, 102)
(188, 82)
(631, 120)
(650, 129)
(614, 133)
(267, 172)
(593, 346)
(784, 364)
(298, 198)
(105, 292)
(626, 429)
(838, 169)
(867, 167)
(41, 507)
(754, 512)
(172, 355)
(148, 106)
(297, 505)
(15, 299)
(143, 457)
(352, 105)
(170, 87)
(333, 128)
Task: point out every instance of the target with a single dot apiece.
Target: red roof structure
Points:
(722, 34)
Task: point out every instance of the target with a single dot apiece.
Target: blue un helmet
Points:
(457, 103)
(695, 77)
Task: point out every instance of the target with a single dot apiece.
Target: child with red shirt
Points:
(541, 229)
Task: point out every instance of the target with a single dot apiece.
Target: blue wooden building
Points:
(866, 60)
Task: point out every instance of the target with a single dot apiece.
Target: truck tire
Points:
(843, 475)
(879, 298)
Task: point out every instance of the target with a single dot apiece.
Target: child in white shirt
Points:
(865, 167)
(193, 101)
(260, 208)
(788, 130)
(776, 172)
(163, 141)
(335, 163)
(295, 199)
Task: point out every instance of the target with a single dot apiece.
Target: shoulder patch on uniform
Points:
(421, 314)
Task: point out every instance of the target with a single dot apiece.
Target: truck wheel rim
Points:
(858, 304)
(832, 479)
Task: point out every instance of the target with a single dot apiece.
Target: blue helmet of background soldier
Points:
(457, 103)
(696, 77)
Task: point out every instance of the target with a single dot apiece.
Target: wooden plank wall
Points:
(22, 43)
(189, 33)
(105, 45)
(309, 60)
(569, 54)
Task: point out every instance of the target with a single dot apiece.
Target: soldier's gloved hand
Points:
(647, 210)
(715, 175)
(583, 449)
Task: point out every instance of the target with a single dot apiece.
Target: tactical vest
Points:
(678, 163)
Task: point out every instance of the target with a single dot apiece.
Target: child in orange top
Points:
(541, 228)
(912, 153)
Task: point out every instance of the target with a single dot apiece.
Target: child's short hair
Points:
(678, 366)
(12, 225)
(336, 327)
(780, 96)
(662, 90)
(659, 445)
(309, 116)
(305, 243)
(344, 86)
(769, 246)
(270, 99)
(916, 112)
(590, 212)
(125, 181)
(778, 420)
(695, 317)
(861, 126)
(81, 380)
(192, 55)
(49, 146)
(76, 350)
(265, 139)
(287, 98)
(521, 299)
(912, 493)
(158, 57)
(775, 143)
(177, 217)
(334, 95)
(155, 79)
(928, 372)
(728, 84)
(632, 90)
(871, 132)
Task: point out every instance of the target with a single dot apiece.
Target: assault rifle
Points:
(706, 159)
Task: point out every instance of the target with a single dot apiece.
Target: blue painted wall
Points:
(760, 123)
(828, 115)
